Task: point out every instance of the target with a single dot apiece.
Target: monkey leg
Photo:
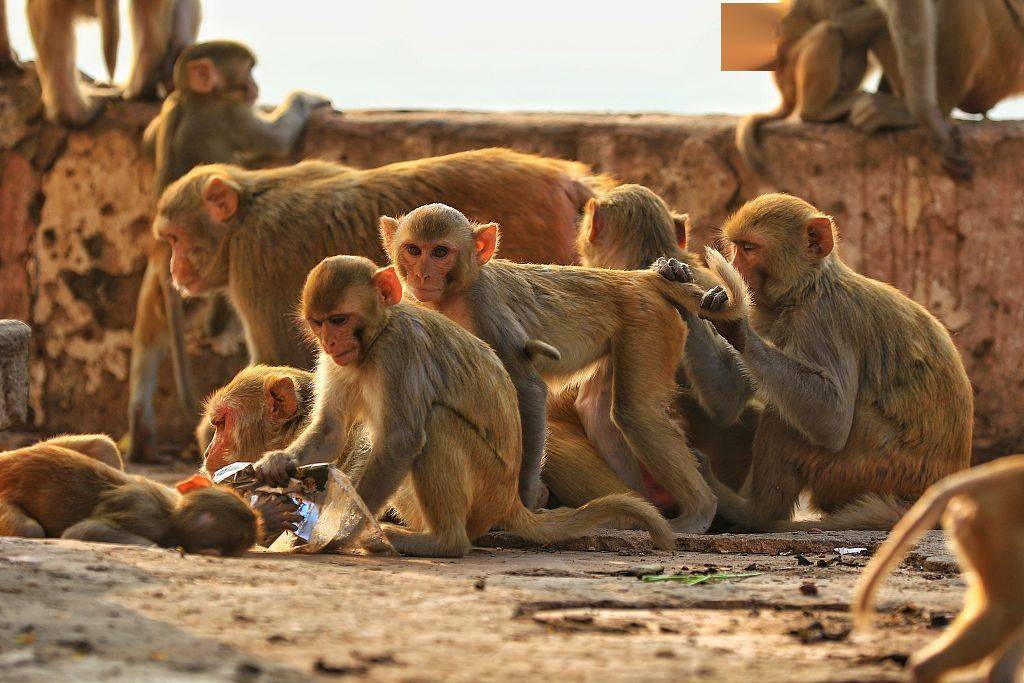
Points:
(532, 394)
(103, 532)
(52, 25)
(729, 449)
(973, 636)
(1009, 665)
(639, 397)
(151, 30)
(773, 486)
(14, 521)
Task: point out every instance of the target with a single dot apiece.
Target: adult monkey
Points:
(441, 416)
(866, 399)
(161, 29)
(589, 315)
(210, 117)
(245, 231)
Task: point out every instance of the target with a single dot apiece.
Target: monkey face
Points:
(748, 257)
(337, 333)
(193, 259)
(221, 451)
(427, 266)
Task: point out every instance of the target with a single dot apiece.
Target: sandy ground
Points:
(576, 612)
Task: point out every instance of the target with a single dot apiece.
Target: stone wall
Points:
(75, 209)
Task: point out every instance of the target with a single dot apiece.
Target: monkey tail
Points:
(110, 30)
(746, 139)
(535, 348)
(548, 526)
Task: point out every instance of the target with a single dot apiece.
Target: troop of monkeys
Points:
(463, 391)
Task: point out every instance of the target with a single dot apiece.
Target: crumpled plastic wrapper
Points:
(334, 518)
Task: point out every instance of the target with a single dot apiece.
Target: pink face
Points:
(427, 265)
(748, 259)
(185, 275)
(220, 452)
(336, 334)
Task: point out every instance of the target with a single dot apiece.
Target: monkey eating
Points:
(242, 230)
(210, 117)
(441, 418)
(866, 399)
(625, 318)
(982, 511)
(52, 490)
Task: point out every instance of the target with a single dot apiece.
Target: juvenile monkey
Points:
(50, 490)
(821, 62)
(160, 30)
(982, 511)
(866, 399)
(210, 117)
(257, 233)
(99, 447)
(440, 414)
(589, 315)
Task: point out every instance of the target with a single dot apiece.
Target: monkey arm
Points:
(860, 25)
(323, 440)
(390, 460)
(95, 529)
(715, 372)
(816, 398)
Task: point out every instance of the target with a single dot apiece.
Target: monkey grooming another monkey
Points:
(982, 511)
(50, 490)
(589, 315)
(210, 117)
(440, 413)
(257, 233)
(866, 399)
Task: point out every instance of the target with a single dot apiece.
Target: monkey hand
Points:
(734, 331)
(276, 468)
(673, 269)
(278, 513)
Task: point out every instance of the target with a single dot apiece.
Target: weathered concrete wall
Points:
(75, 208)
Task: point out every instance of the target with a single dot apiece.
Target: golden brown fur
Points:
(440, 415)
(589, 315)
(982, 511)
(51, 490)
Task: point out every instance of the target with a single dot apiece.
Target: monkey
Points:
(866, 399)
(210, 117)
(245, 231)
(625, 318)
(440, 412)
(982, 511)
(8, 60)
(99, 447)
(160, 30)
(821, 62)
(51, 490)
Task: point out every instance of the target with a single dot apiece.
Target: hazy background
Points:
(546, 55)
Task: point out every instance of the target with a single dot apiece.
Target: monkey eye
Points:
(747, 246)
(439, 252)
(338, 320)
(219, 421)
(413, 250)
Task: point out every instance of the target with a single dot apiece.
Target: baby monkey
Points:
(61, 488)
(982, 511)
(439, 413)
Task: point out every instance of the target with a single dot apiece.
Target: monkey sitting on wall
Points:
(626, 319)
(61, 488)
(210, 117)
(982, 511)
(440, 414)
(866, 399)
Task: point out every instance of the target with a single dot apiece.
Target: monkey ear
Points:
(388, 285)
(820, 240)
(220, 197)
(682, 223)
(203, 76)
(193, 483)
(596, 220)
(281, 401)
(485, 239)
(388, 227)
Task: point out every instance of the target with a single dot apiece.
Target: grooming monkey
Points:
(253, 232)
(161, 29)
(52, 490)
(440, 413)
(982, 511)
(589, 315)
(866, 399)
(210, 117)
(821, 62)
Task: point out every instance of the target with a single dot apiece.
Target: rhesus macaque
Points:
(589, 315)
(866, 399)
(97, 446)
(440, 415)
(821, 62)
(50, 490)
(257, 233)
(982, 511)
(161, 29)
(210, 117)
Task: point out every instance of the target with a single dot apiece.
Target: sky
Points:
(541, 55)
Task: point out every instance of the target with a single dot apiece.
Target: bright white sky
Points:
(546, 55)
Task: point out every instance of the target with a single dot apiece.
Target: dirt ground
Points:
(575, 612)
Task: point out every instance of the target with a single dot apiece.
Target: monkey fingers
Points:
(673, 269)
(715, 299)
(279, 514)
(275, 468)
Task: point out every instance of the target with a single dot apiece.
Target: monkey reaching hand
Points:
(440, 414)
(982, 511)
